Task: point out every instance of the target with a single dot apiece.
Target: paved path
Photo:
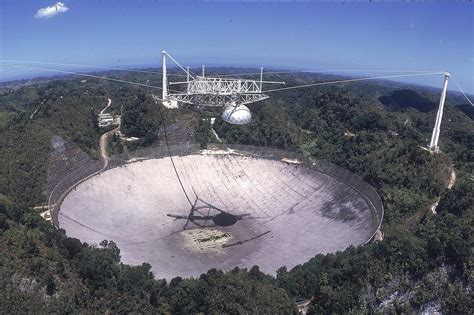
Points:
(110, 102)
(103, 147)
(450, 185)
(213, 131)
(103, 141)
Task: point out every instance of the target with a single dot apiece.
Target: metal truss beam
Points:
(209, 85)
(217, 100)
(214, 91)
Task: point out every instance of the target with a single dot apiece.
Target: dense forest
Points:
(423, 264)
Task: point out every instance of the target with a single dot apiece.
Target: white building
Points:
(108, 119)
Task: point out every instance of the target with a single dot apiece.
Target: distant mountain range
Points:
(405, 98)
(395, 95)
(408, 98)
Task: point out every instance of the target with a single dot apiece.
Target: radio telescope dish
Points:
(237, 115)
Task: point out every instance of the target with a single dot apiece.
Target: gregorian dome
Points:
(237, 115)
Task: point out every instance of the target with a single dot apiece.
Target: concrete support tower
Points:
(165, 78)
(166, 101)
(433, 147)
(187, 79)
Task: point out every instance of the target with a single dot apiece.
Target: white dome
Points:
(237, 115)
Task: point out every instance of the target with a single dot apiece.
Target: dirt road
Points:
(103, 146)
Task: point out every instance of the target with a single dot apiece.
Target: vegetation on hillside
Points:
(424, 261)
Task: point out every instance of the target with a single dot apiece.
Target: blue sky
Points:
(308, 36)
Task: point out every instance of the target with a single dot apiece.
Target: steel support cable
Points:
(322, 71)
(171, 157)
(179, 65)
(84, 66)
(219, 75)
(460, 90)
(351, 80)
(86, 75)
(273, 90)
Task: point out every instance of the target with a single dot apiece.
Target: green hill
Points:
(423, 263)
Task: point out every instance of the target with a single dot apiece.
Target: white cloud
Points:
(49, 12)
